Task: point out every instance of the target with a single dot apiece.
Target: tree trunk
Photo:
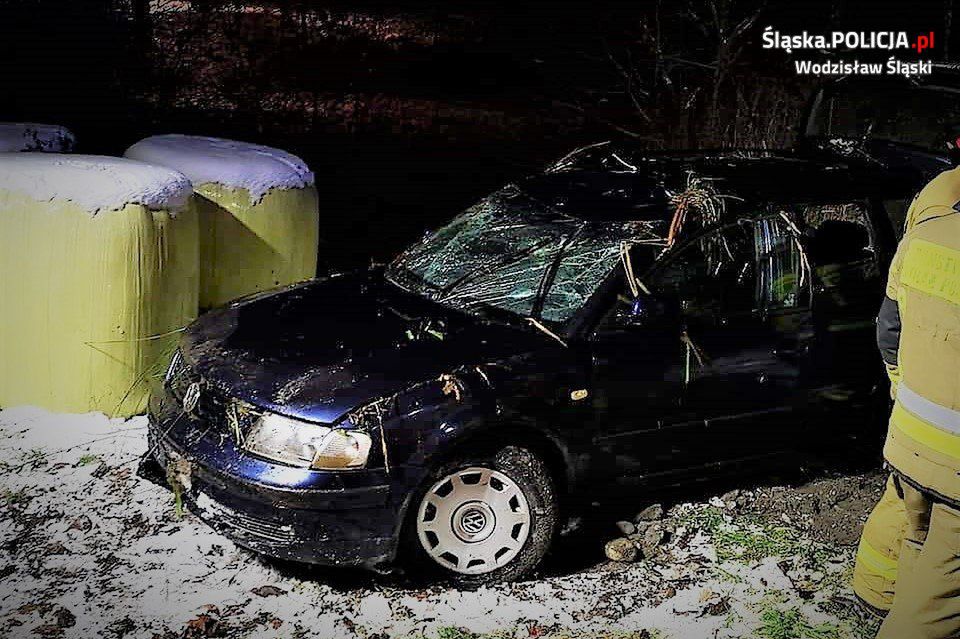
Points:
(142, 24)
(947, 27)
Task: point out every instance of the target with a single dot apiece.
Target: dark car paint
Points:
(323, 350)
(329, 346)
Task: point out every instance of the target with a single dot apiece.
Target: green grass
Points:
(778, 623)
(455, 633)
(14, 497)
(855, 622)
(451, 632)
(87, 459)
(749, 538)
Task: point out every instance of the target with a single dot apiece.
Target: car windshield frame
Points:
(512, 258)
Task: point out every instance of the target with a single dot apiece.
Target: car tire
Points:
(482, 519)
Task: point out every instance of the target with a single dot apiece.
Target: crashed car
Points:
(622, 320)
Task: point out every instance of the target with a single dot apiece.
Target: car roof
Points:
(615, 182)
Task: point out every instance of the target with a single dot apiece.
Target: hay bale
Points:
(98, 269)
(259, 223)
(30, 136)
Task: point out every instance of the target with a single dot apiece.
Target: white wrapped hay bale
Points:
(259, 223)
(31, 136)
(98, 270)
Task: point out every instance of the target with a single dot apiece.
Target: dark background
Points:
(409, 111)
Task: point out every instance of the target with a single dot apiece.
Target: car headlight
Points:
(307, 445)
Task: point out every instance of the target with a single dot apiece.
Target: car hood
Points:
(318, 350)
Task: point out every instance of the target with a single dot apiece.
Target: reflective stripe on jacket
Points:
(923, 442)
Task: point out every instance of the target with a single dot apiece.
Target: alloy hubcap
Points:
(473, 521)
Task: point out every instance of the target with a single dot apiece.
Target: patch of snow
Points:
(81, 532)
(31, 136)
(233, 164)
(94, 182)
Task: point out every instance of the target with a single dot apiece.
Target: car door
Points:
(714, 378)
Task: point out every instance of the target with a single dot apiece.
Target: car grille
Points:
(244, 525)
(213, 406)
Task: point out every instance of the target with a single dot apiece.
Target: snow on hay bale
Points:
(259, 222)
(30, 136)
(98, 270)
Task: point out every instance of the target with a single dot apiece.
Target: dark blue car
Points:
(623, 320)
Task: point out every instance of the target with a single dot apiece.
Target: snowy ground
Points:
(88, 549)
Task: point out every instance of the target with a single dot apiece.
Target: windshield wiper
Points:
(550, 273)
(470, 276)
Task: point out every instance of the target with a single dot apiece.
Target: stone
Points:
(732, 500)
(653, 512)
(626, 527)
(652, 539)
(621, 549)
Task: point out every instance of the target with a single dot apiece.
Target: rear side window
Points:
(841, 244)
(841, 249)
(838, 233)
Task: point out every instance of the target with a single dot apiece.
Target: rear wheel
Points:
(484, 519)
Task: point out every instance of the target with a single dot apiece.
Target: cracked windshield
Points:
(512, 253)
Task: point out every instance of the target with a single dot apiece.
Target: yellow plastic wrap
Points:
(248, 245)
(91, 303)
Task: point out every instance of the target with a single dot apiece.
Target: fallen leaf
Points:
(268, 591)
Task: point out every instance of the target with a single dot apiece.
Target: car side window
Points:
(840, 247)
(841, 244)
(778, 265)
(710, 280)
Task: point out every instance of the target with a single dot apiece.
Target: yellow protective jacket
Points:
(941, 196)
(923, 441)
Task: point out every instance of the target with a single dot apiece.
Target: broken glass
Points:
(511, 252)
(779, 264)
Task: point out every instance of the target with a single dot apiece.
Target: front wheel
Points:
(482, 520)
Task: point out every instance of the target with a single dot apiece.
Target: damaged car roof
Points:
(613, 182)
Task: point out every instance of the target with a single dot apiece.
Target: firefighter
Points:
(875, 569)
(918, 332)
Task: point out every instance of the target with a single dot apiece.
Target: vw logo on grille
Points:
(473, 521)
(191, 397)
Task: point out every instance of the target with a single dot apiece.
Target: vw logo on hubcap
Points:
(473, 521)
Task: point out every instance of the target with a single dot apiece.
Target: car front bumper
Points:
(341, 519)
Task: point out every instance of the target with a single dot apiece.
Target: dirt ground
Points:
(87, 548)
